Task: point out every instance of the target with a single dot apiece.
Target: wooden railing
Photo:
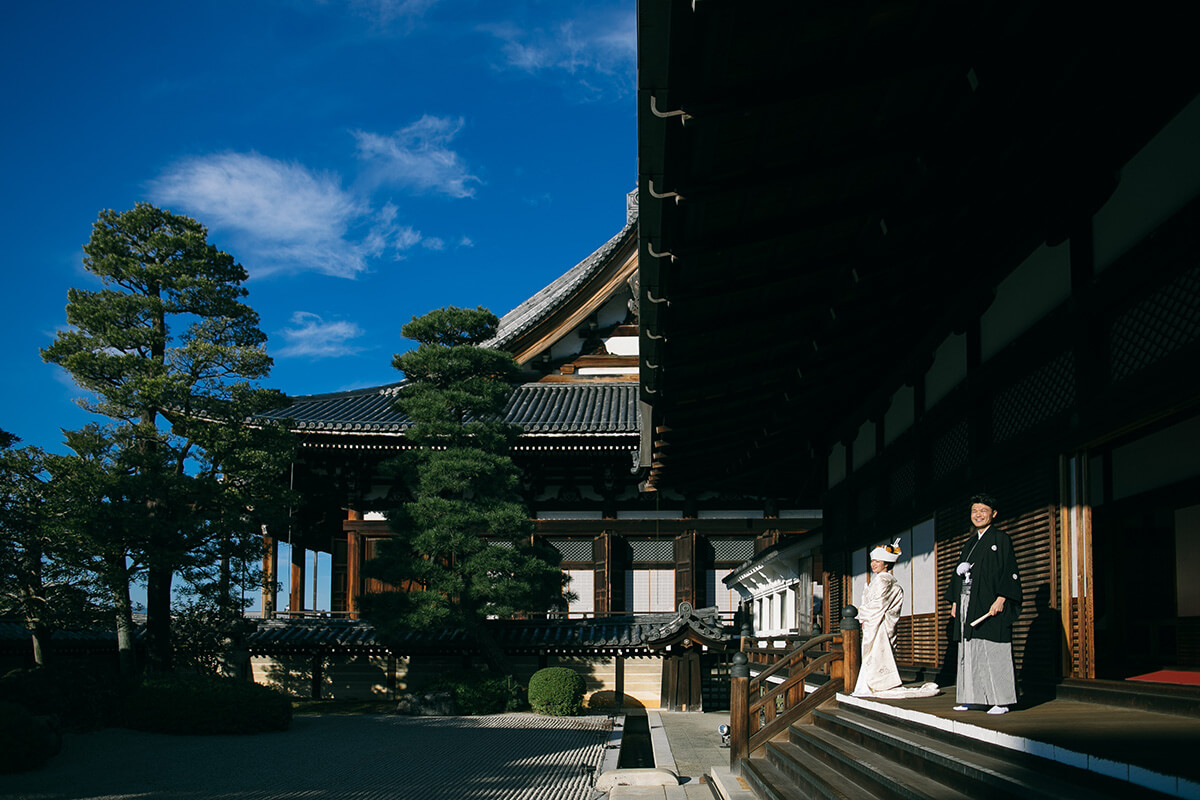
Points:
(761, 709)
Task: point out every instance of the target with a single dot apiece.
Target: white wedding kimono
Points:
(878, 612)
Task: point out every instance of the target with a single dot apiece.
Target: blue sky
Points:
(365, 160)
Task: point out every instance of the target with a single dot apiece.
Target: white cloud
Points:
(386, 11)
(597, 51)
(282, 216)
(312, 337)
(417, 157)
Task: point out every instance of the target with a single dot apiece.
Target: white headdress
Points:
(888, 553)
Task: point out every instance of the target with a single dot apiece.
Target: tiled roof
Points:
(633, 632)
(545, 302)
(562, 408)
(14, 637)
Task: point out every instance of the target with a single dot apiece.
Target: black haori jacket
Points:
(994, 573)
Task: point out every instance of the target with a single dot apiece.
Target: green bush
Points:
(480, 693)
(204, 704)
(26, 742)
(556, 691)
(80, 698)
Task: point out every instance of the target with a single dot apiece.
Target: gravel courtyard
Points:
(501, 757)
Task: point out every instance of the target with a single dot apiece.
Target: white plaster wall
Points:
(1157, 182)
(1157, 460)
(864, 444)
(859, 566)
(1032, 290)
(837, 464)
(900, 414)
(948, 369)
(923, 563)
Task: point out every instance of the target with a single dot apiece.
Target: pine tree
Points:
(463, 548)
(40, 580)
(165, 347)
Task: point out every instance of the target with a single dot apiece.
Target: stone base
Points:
(636, 777)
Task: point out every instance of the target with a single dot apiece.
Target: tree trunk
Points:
(158, 617)
(40, 639)
(489, 648)
(126, 656)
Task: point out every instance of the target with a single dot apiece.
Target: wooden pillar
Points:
(619, 669)
(296, 587)
(318, 675)
(695, 698)
(739, 711)
(270, 574)
(685, 568)
(851, 648)
(354, 560)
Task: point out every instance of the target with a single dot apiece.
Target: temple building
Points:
(944, 250)
(584, 458)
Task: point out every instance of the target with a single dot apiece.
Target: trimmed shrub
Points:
(26, 742)
(607, 699)
(79, 698)
(556, 691)
(480, 693)
(204, 704)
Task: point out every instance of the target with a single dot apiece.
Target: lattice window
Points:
(583, 586)
(717, 593)
(902, 482)
(864, 502)
(1044, 392)
(649, 590)
(651, 550)
(950, 451)
(732, 550)
(573, 550)
(501, 543)
(1164, 322)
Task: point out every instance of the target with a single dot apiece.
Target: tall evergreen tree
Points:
(97, 499)
(40, 581)
(463, 548)
(163, 346)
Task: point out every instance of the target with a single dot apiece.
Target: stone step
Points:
(872, 775)
(973, 768)
(1161, 698)
(807, 779)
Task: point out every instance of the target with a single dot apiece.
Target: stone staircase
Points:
(846, 752)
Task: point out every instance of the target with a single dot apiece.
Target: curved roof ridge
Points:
(548, 300)
(387, 388)
(566, 408)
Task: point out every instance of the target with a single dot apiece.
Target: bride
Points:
(878, 612)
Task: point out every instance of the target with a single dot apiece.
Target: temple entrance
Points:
(1146, 598)
(1134, 618)
(681, 682)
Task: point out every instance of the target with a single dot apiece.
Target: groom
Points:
(985, 598)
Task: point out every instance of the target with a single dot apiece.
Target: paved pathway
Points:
(697, 752)
(502, 757)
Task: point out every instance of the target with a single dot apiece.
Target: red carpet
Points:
(1187, 677)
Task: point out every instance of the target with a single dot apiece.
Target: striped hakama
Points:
(985, 669)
